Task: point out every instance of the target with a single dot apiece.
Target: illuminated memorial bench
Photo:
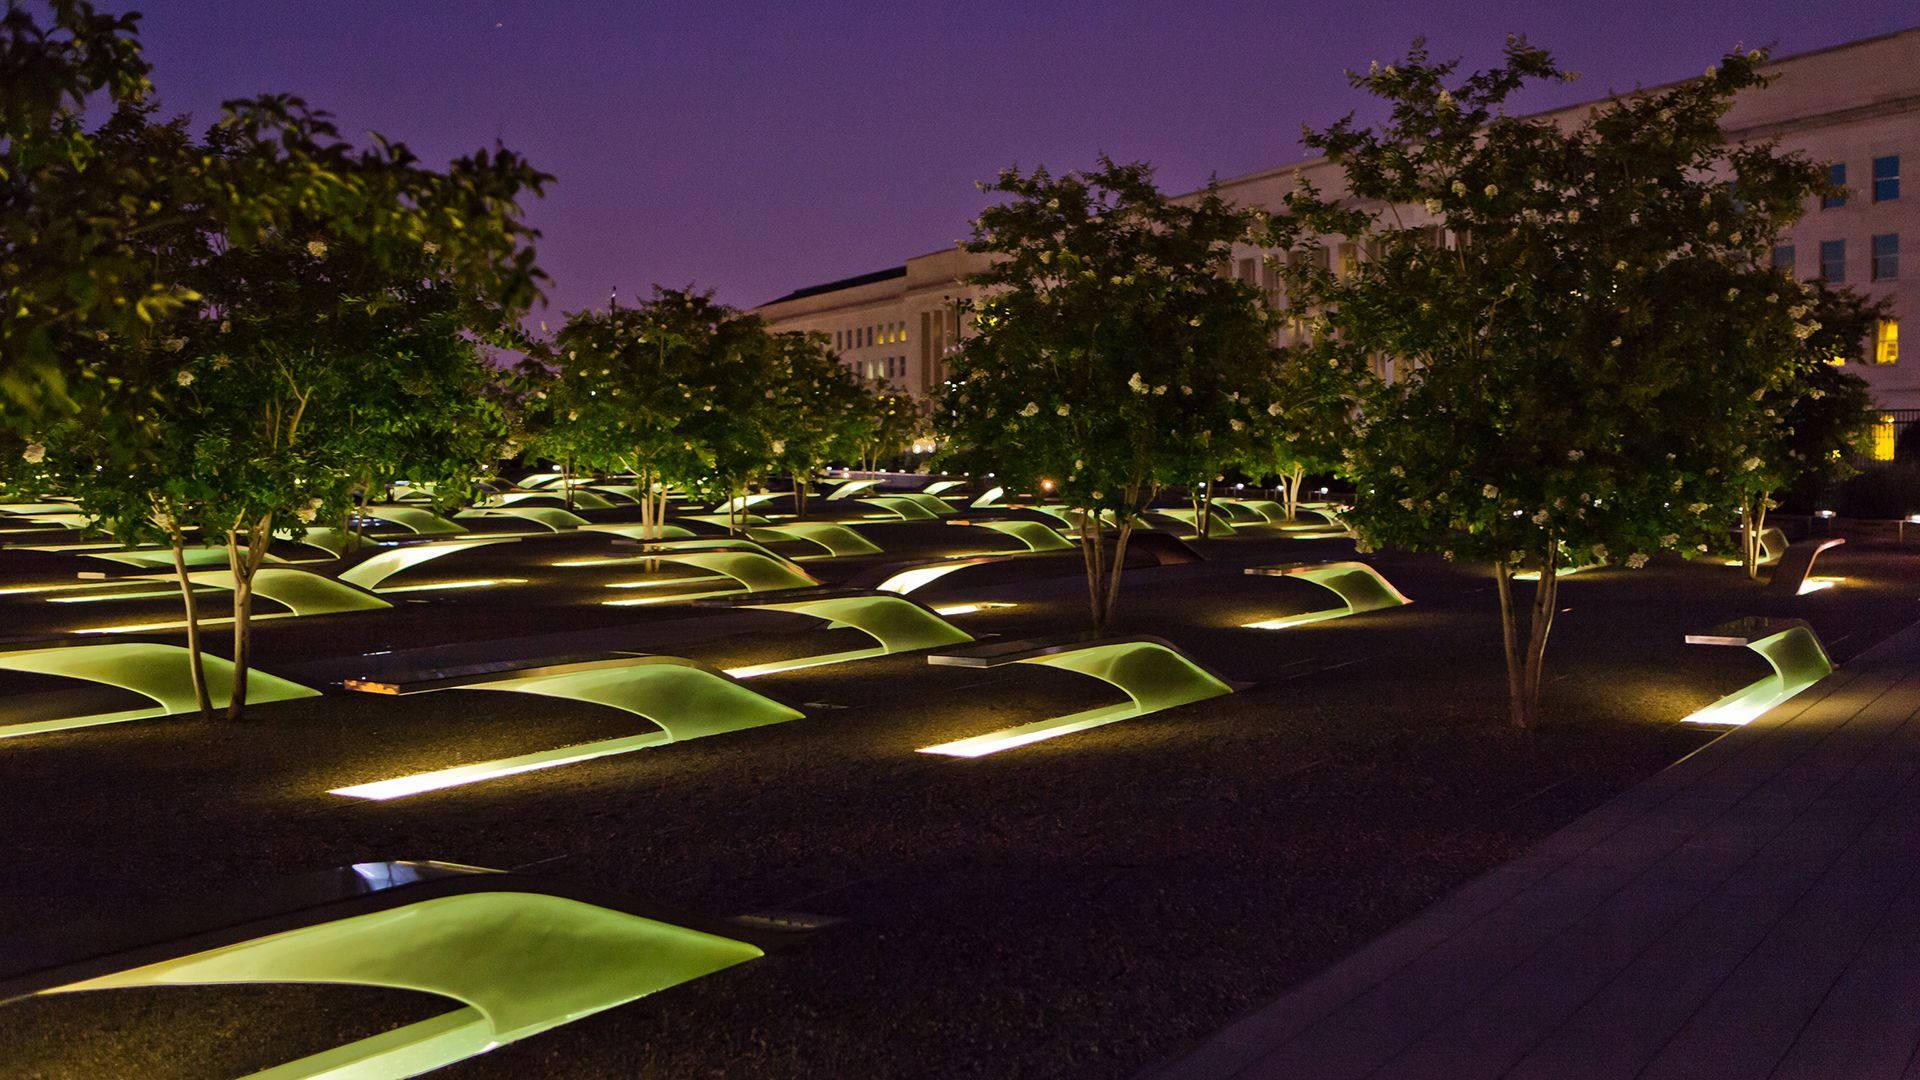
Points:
(1789, 645)
(722, 520)
(414, 520)
(912, 506)
(836, 539)
(551, 518)
(680, 697)
(991, 497)
(301, 592)
(516, 954)
(1359, 587)
(1265, 510)
(1154, 674)
(941, 487)
(1219, 528)
(376, 568)
(895, 623)
(161, 673)
(582, 497)
(850, 488)
(1037, 536)
(1793, 573)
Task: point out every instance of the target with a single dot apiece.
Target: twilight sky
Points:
(754, 148)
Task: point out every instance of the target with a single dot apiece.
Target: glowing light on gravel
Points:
(460, 775)
(471, 583)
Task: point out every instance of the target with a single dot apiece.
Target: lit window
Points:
(1783, 258)
(1883, 437)
(1886, 178)
(1833, 260)
(1886, 257)
(1837, 176)
(1886, 342)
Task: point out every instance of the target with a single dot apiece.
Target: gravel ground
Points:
(1082, 907)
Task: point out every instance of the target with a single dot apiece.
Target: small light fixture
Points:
(1828, 514)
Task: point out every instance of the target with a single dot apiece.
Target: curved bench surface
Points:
(301, 591)
(1151, 672)
(378, 567)
(519, 959)
(836, 539)
(1360, 588)
(1036, 536)
(941, 486)
(415, 520)
(1789, 646)
(663, 531)
(905, 507)
(547, 517)
(162, 558)
(1219, 528)
(724, 522)
(1264, 509)
(1793, 573)
(162, 673)
(991, 497)
(581, 497)
(683, 699)
(741, 502)
(335, 542)
(540, 479)
(851, 488)
(894, 622)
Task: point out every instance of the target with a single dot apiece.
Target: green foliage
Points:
(1109, 356)
(1107, 345)
(1587, 360)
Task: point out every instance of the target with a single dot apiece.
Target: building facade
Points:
(1853, 107)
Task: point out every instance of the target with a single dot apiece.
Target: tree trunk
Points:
(1103, 566)
(1526, 660)
(1290, 484)
(566, 481)
(195, 664)
(243, 569)
(800, 493)
(1205, 516)
(1753, 519)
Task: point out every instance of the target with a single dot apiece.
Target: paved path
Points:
(1752, 911)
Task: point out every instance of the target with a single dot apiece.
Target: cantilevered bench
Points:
(550, 518)
(1038, 536)
(752, 567)
(380, 565)
(302, 592)
(910, 507)
(414, 520)
(160, 673)
(894, 622)
(1789, 645)
(1360, 588)
(835, 539)
(1152, 672)
(1219, 528)
(685, 700)
(1793, 574)
(519, 953)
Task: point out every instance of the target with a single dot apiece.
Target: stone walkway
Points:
(1752, 911)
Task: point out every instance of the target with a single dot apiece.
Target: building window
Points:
(1783, 258)
(1883, 437)
(1886, 178)
(1886, 257)
(1833, 260)
(1886, 342)
(1837, 176)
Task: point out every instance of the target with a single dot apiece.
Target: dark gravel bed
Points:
(1081, 907)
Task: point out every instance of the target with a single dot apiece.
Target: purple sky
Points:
(755, 148)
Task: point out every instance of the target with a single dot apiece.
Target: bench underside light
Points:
(1152, 676)
(895, 623)
(1359, 587)
(685, 700)
(1798, 662)
(152, 670)
(520, 963)
(753, 571)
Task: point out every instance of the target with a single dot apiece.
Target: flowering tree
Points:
(1585, 356)
(337, 338)
(1811, 425)
(819, 409)
(1106, 346)
(629, 383)
(1301, 417)
(887, 422)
